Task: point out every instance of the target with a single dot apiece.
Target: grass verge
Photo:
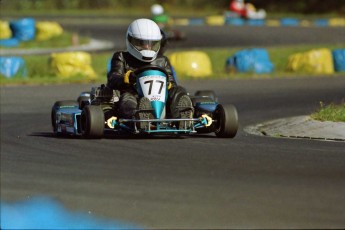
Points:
(331, 112)
(39, 72)
(61, 41)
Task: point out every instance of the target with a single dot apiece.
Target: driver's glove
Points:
(129, 77)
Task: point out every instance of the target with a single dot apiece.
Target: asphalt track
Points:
(190, 182)
(226, 36)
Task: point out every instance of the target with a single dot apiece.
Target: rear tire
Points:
(227, 121)
(207, 93)
(56, 106)
(196, 100)
(92, 122)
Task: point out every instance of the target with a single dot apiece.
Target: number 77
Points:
(151, 83)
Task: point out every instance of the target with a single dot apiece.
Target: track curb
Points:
(300, 127)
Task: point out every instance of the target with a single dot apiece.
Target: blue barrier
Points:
(196, 21)
(23, 29)
(321, 22)
(235, 21)
(289, 22)
(254, 60)
(11, 66)
(339, 60)
(256, 22)
(10, 42)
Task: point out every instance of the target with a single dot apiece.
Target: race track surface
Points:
(189, 182)
(226, 36)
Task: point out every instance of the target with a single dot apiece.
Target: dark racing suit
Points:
(121, 62)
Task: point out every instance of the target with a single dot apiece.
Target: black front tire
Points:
(92, 122)
(56, 106)
(227, 121)
(83, 99)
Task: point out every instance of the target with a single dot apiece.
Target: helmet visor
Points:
(144, 44)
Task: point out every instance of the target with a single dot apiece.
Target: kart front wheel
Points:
(83, 99)
(57, 105)
(227, 121)
(92, 121)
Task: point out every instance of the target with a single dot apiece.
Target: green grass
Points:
(331, 112)
(39, 72)
(63, 40)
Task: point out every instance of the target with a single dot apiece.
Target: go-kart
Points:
(95, 113)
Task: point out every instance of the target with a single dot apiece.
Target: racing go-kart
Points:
(96, 112)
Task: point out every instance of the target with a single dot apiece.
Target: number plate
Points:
(153, 87)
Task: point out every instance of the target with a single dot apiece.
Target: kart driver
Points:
(246, 10)
(143, 41)
(159, 17)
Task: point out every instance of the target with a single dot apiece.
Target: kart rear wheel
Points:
(57, 105)
(92, 121)
(207, 93)
(196, 100)
(227, 121)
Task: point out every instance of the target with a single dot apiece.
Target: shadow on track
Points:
(109, 135)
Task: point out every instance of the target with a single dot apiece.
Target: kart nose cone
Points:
(158, 108)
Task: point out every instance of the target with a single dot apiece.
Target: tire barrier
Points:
(318, 61)
(47, 30)
(250, 60)
(273, 23)
(5, 29)
(191, 63)
(235, 21)
(69, 64)
(215, 20)
(336, 22)
(26, 29)
(339, 60)
(290, 22)
(231, 20)
(12, 66)
(23, 29)
(255, 22)
(197, 21)
(321, 22)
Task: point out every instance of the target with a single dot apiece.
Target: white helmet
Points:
(157, 9)
(143, 39)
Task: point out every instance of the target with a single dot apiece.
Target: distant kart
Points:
(175, 35)
(95, 113)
